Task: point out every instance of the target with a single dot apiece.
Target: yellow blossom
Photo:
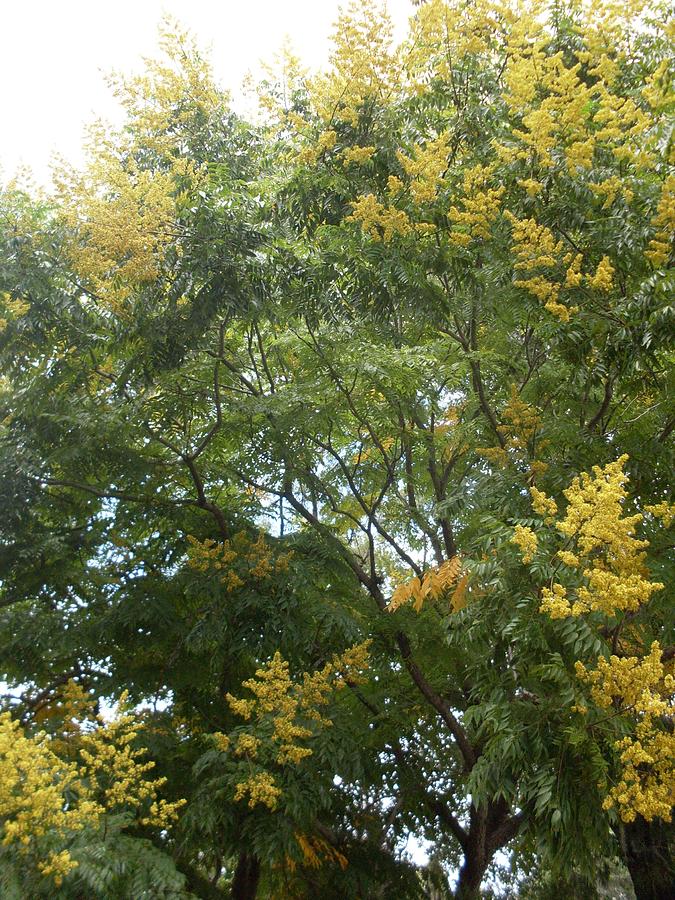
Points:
(57, 865)
(526, 540)
(260, 788)
(380, 222)
(609, 189)
(247, 745)
(480, 204)
(311, 154)
(292, 709)
(363, 65)
(121, 210)
(238, 560)
(426, 168)
(43, 796)
(554, 602)
(221, 741)
(11, 308)
(442, 32)
(661, 245)
(357, 155)
(664, 511)
(315, 851)
(534, 244)
(611, 558)
(573, 277)
(602, 280)
(539, 254)
(647, 757)
(533, 187)
(569, 558)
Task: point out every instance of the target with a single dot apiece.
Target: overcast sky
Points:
(53, 54)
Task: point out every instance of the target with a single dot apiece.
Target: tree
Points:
(347, 435)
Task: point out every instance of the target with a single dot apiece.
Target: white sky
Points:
(54, 53)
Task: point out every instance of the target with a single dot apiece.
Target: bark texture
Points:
(648, 854)
(246, 877)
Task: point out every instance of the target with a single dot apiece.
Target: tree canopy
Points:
(336, 454)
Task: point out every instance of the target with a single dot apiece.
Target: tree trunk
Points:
(647, 851)
(470, 877)
(246, 877)
(476, 857)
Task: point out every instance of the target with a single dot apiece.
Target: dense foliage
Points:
(337, 446)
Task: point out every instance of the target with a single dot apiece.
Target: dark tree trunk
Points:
(648, 854)
(476, 857)
(470, 878)
(246, 877)
(490, 828)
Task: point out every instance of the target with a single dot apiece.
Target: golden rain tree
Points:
(340, 441)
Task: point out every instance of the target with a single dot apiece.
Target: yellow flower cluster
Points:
(426, 168)
(554, 602)
(255, 559)
(664, 511)
(220, 741)
(623, 125)
(561, 118)
(535, 246)
(33, 785)
(611, 557)
(481, 204)
(120, 212)
(526, 540)
(520, 422)
(657, 90)
(647, 758)
(540, 255)
(442, 33)
(12, 307)
(532, 187)
(247, 745)
(283, 78)
(356, 155)
(435, 583)
(602, 280)
(594, 513)
(121, 221)
(260, 788)
(519, 426)
(609, 189)
(573, 277)
(43, 795)
(292, 708)
(377, 220)
(69, 709)
(57, 865)
(496, 455)
(363, 65)
(609, 25)
(543, 505)
(117, 775)
(310, 155)
(661, 245)
(560, 106)
(538, 466)
(173, 92)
